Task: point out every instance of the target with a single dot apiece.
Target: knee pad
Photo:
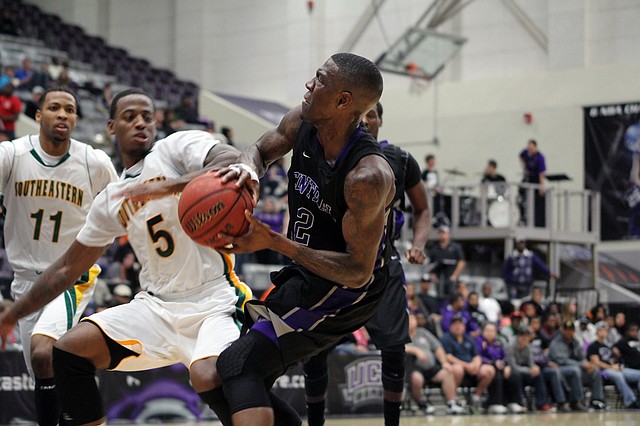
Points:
(393, 369)
(77, 389)
(247, 371)
(316, 377)
(216, 401)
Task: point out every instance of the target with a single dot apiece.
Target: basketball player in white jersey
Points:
(49, 181)
(186, 311)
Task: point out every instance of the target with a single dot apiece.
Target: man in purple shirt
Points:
(456, 309)
(534, 169)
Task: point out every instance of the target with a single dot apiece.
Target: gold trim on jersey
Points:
(51, 189)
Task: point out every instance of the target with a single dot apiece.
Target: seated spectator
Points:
(122, 294)
(187, 110)
(549, 329)
(597, 313)
(130, 271)
(274, 182)
(273, 214)
(462, 351)
(42, 77)
(429, 365)
(25, 75)
(416, 308)
(489, 305)
(473, 303)
(629, 347)
(520, 358)
(529, 311)
(569, 311)
(456, 309)
(536, 299)
(554, 377)
(601, 355)
(10, 109)
(508, 332)
(586, 332)
(431, 303)
(506, 386)
(462, 288)
(33, 104)
(566, 351)
(617, 328)
(228, 133)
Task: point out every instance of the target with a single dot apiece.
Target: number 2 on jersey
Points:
(55, 218)
(304, 223)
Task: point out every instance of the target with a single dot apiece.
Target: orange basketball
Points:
(208, 207)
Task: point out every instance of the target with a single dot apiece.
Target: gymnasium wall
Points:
(268, 50)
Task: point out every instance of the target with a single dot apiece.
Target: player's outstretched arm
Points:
(369, 189)
(57, 278)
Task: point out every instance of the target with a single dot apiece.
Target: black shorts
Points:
(430, 373)
(310, 313)
(390, 325)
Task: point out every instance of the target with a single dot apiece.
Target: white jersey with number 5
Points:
(172, 263)
(47, 199)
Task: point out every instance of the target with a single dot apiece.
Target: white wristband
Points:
(237, 166)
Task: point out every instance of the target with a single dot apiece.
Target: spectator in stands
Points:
(473, 303)
(536, 299)
(25, 75)
(104, 98)
(602, 355)
(585, 332)
(509, 332)
(431, 303)
(566, 351)
(629, 347)
(10, 109)
(496, 183)
(430, 174)
(569, 311)
(461, 351)
(163, 123)
(617, 328)
(42, 77)
(275, 181)
(519, 269)
(187, 110)
(271, 212)
(56, 67)
(7, 24)
(520, 358)
(535, 325)
(534, 170)
(549, 329)
(597, 313)
(489, 305)
(228, 133)
(528, 310)
(429, 365)
(554, 377)
(130, 270)
(416, 307)
(448, 262)
(455, 309)
(64, 80)
(506, 386)
(121, 294)
(33, 104)
(462, 288)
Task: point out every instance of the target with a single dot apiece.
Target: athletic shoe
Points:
(577, 406)
(429, 410)
(598, 405)
(497, 409)
(547, 407)
(564, 407)
(634, 405)
(515, 408)
(454, 408)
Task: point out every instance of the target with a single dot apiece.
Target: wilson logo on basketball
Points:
(202, 218)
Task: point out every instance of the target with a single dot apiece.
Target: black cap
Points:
(568, 325)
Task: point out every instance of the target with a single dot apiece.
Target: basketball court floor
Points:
(609, 418)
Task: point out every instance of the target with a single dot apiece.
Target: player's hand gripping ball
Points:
(208, 207)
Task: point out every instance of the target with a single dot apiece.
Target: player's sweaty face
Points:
(134, 124)
(57, 116)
